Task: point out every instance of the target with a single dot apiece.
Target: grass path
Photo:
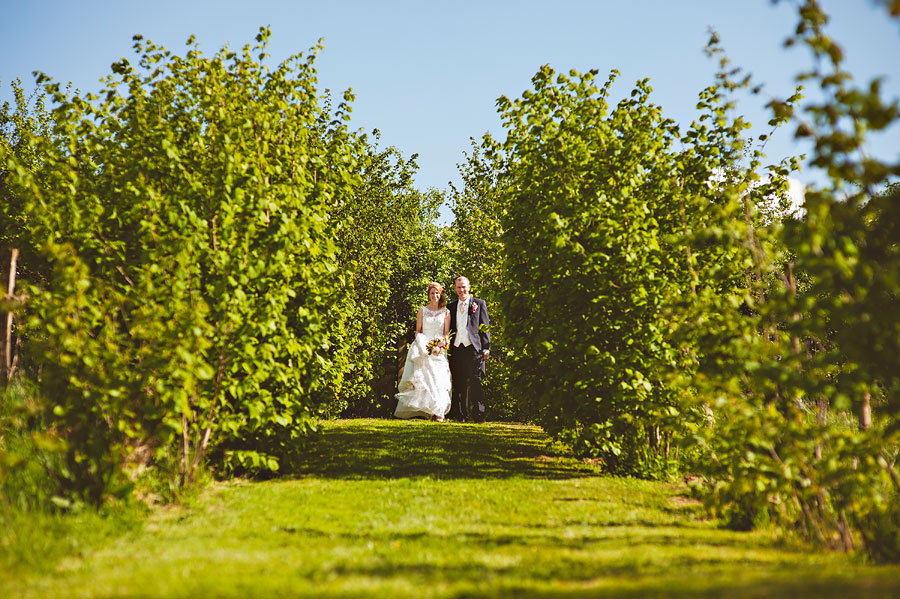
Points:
(416, 509)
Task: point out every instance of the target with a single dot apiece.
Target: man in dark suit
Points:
(469, 348)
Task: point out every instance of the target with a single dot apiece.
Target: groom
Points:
(470, 347)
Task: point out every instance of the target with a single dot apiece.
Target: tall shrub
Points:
(187, 213)
(803, 386)
(587, 193)
(388, 250)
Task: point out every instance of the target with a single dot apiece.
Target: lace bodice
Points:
(433, 322)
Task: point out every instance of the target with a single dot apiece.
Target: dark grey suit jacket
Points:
(478, 326)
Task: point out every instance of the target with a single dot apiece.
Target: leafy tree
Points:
(29, 117)
(804, 385)
(586, 194)
(188, 214)
(619, 235)
(388, 250)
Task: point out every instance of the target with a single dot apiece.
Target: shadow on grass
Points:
(602, 565)
(369, 448)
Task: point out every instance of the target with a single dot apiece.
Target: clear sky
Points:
(427, 73)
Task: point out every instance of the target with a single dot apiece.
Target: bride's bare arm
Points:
(447, 323)
(419, 320)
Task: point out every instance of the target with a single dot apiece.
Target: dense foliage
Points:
(586, 274)
(390, 249)
(178, 308)
(804, 388)
(658, 298)
(213, 274)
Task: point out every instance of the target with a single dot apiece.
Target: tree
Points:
(585, 193)
(804, 386)
(188, 214)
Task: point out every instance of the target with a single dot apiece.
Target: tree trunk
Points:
(203, 444)
(865, 413)
(6, 359)
(821, 414)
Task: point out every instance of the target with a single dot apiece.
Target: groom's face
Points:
(462, 289)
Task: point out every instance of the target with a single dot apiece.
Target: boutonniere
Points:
(474, 307)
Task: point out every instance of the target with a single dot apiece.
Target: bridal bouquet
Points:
(437, 345)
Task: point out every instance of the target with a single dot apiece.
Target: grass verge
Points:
(416, 509)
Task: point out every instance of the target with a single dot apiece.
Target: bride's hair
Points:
(442, 301)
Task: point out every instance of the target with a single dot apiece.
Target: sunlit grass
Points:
(416, 509)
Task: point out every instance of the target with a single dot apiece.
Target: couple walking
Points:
(433, 385)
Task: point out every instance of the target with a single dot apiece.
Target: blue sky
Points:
(427, 73)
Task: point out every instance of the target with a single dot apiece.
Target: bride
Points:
(425, 385)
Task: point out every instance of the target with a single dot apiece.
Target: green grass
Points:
(416, 509)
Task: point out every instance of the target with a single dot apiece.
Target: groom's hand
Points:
(487, 354)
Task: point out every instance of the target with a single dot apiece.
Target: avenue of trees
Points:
(203, 261)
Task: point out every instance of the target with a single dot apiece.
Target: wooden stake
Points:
(865, 415)
(7, 363)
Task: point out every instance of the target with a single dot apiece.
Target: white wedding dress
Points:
(424, 388)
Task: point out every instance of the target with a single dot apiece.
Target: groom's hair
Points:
(463, 278)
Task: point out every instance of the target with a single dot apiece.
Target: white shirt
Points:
(462, 324)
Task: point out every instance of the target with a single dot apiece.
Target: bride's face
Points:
(434, 295)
